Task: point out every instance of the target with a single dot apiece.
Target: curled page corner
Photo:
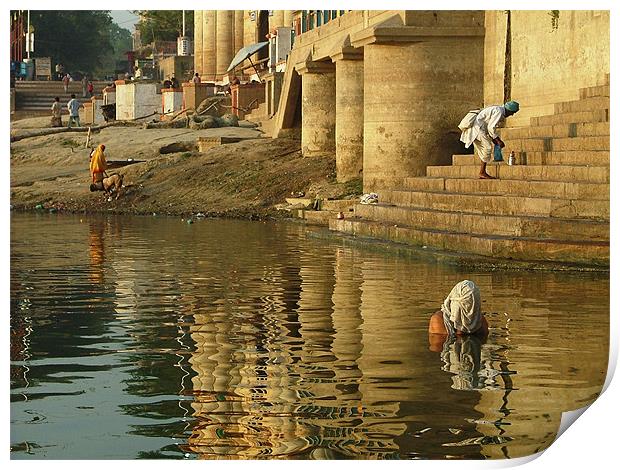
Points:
(568, 418)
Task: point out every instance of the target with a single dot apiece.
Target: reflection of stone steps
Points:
(554, 208)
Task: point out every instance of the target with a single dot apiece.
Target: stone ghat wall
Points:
(554, 54)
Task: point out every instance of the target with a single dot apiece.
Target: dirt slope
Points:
(243, 179)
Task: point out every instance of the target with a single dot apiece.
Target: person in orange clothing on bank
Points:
(98, 167)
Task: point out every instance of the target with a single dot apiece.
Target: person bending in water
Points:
(460, 313)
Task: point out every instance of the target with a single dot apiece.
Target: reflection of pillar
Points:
(209, 45)
(225, 43)
(406, 74)
(318, 108)
(238, 31)
(349, 113)
(198, 45)
(347, 344)
(314, 312)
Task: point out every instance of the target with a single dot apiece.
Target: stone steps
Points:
(566, 157)
(601, 115)
(499, 225)
(595, 103)
(590, 92)
(499, 204)
(576, 173)
(569, 157)
(517, 188)
(551, 144)
(554, 206)
(586, 253)
(584, 129)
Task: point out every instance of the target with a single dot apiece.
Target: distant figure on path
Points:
(91, 88)
(174, 82)
(483, 134)
(65, 82)
(74, 111)
(460, 313)
(84, 86)
(56, 110)
(196, 78)
(57, 75)
(167, 83)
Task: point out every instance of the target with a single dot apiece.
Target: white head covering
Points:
(461, 309)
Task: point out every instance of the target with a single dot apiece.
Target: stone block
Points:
(571, 157)
(583, 253)
(581, 143)
(601, 115)
(205, 143)
(590, 92)
(499, 204)
(498, 225)
(596, 103)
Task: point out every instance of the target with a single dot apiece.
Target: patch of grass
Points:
(353, 187)
(69, 143)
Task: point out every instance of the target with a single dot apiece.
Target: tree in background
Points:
(121, 42)
(80, 40)
(163, 25)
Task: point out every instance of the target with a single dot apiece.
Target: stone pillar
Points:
(318, 108)
(276, 19)
(238, 31)
(225, 44)
(349, 113)
(417, 86)
(209, 45)
(198, 46)
(288, 18)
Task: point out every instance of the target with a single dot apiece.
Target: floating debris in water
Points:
(190, 221)
(52, 210)
(39, 206)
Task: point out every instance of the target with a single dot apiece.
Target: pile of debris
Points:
(210, 113)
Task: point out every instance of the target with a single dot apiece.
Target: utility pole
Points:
(28, 37)
(183, 22)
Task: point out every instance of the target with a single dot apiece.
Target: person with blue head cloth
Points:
(481, 130)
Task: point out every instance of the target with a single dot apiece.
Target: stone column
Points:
(318, 108)
(209, 45)
(198, 46)
(349, 113)
(238, 31)
(276, 19)
(418, 83)
(288, 18)
(224, 43)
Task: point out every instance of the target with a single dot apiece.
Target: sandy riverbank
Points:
(242, 179)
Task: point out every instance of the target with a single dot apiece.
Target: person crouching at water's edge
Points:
(460, 313)
(98, 166)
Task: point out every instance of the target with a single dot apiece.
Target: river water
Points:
(147, 337)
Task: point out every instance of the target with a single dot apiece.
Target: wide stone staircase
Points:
(553, 207)
(36, 97)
